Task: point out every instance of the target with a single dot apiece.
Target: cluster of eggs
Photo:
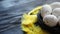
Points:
(51, 14)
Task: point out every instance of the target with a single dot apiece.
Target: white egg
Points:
(55, 5)
(46, 10)
(56, 12)
(50, 20)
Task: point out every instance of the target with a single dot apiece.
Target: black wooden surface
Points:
(12, 10)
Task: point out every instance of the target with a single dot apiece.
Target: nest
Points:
(52, 30)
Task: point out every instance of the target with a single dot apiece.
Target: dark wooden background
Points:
(12, 10)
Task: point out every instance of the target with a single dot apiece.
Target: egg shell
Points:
(50, 20)
(56, 12)
(46, 10)
(55, 5)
